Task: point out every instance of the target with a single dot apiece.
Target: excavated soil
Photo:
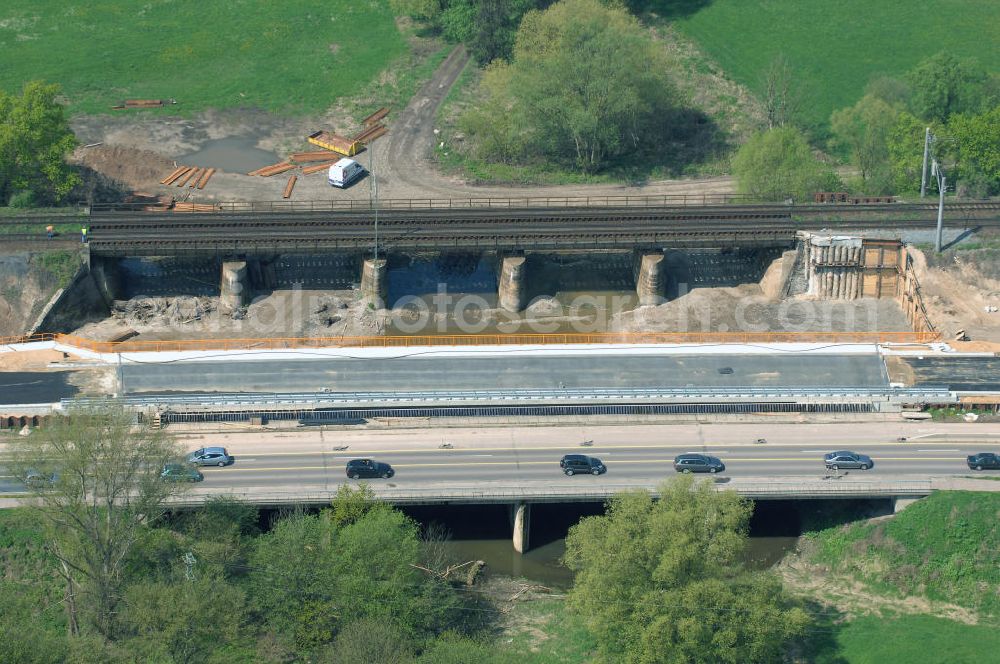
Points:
(961, 291)
(140, 150)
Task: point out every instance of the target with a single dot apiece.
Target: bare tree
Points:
(95, 478)
(782, 98)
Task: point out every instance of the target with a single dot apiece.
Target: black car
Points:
(575, 464)
(181, 472)
(698, 463)
(846, 459)
(984, 461)
(358, 468)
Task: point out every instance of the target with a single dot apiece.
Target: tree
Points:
(863, 130)
(35, 140)
(662, 580)
(369, 640)
(782, 98)
(976, 143)
(778, 163)
(107, 490)
(182, 618)
(310, 576)
(586, 85)
(943, 85)
(906, 151)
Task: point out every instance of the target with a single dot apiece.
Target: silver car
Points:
(210, 456)
(846, 459)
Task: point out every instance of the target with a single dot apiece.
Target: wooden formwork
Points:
(180, 170)
(187, 176)
(205, 178)
(370, 134)
(273, 169)
(309, 170)
(322, 155)
(375, 117)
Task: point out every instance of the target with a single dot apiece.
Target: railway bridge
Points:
(248, 235)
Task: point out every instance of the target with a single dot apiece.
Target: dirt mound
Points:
(961, 291)
(138, 169)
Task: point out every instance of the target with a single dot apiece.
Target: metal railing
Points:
(539, 492)
(505, 202)
(319, 399)
(469, 340)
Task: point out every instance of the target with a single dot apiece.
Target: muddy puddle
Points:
(234, 154)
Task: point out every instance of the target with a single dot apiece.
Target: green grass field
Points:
(913, 639)
(291, 56)
(944, 547)
(835, 46)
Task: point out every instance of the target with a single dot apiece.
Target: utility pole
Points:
(937, 171)
(923, 172)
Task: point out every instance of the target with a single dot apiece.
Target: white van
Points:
(344, 172)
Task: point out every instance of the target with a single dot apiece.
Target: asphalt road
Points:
(315, 458)
(19, 387)
(414, 374)
(958, 373)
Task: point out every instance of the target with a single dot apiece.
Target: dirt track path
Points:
(139, 151)
(404, 169)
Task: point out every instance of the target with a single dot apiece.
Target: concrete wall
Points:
(73, 306)
(909, 296)
(775, 279)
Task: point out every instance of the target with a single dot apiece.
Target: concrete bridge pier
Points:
(522, 526)
(650, 279)
(512, 290)
(107, 278)
(374, 284)
(234, 290)
(899, 503)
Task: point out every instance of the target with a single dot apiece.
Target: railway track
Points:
(496, 226)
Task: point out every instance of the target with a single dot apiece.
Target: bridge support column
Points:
(234, 290)
(649, 281)
(104, 272)
(900, 503)
(522, 526)
(374, 285)
(512, 276)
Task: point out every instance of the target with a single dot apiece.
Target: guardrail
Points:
(485, 493)
(661, 200)
(935, 394)
(469, 340)
(462, 203)
(27, 339)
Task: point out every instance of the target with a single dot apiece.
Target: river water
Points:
(543, 564)
(482, 533)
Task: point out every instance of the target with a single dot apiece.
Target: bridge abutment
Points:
(522, 526)
(374, 284)
(650, 279)
(512, 290)
(235, 287)
(107, 278)
(899, 503)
